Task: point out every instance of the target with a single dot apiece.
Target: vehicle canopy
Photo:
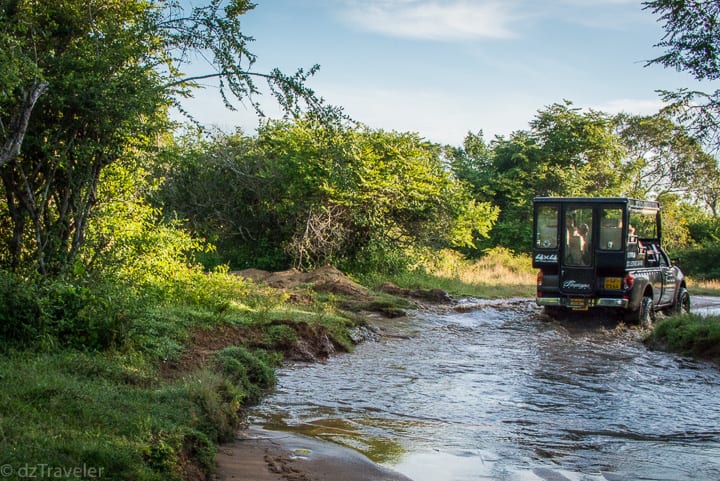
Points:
(604, 252)
(584, 232)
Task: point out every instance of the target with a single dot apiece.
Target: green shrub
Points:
(252, 371)
(280, 336)
(691, 335)
(21, 318)
(700, 262)
(44, 312)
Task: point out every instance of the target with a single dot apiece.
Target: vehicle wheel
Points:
(682, 304)
(646, 314)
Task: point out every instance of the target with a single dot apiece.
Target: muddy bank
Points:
(261, 455)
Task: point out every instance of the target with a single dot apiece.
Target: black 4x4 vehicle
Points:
(604, 253)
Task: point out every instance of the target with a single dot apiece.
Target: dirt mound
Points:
(429, 295)
(322, 279)
(310, 344)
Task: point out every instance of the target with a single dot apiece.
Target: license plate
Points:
(578, 303)
(612, 283)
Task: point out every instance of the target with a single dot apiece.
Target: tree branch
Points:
(217, 75)
(19, 124)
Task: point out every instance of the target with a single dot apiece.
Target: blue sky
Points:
(443, 68)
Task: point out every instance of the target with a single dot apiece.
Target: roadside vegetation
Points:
(499, 273)
(690, 335)
(127, 345)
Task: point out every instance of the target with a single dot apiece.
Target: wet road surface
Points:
(498, 393)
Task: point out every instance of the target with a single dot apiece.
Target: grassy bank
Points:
(142, 380)
(690, 335)
(112, 417)
(144, 388)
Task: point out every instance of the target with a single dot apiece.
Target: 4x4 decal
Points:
(546, 258)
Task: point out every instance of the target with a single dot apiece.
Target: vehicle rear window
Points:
(546, 236)
(578, 236)
(611, 228)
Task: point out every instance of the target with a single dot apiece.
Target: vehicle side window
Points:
(611, 229)
(546, 236)
(643, 224)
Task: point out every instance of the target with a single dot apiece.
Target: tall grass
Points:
(500, 273)
(704, 287)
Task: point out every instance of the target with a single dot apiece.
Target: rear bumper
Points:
(591, 302)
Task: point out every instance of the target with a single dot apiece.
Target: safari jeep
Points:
(604, 253)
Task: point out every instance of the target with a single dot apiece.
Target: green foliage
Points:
(700, 262)
(104, 100)
(567, 152)
(692, 335)
(127, 282)
(280, 336)
(661, 156)
(54, 312)
(692, 44)
(574, 153)
(114, 70)
(251, 371)
(20, 313)
(302, 192)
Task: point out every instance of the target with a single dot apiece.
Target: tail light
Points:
(629, 281)
(540, 278)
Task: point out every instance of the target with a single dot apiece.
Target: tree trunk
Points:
(19, 123)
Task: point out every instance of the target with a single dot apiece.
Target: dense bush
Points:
(303, 194)
(47, 313)
(692, 335)
(700, 262)
(250, 371)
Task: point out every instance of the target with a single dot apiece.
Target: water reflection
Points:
(500, 394)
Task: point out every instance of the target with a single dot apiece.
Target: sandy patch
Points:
(261, 455)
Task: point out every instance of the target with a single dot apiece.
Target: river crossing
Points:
(499, 393)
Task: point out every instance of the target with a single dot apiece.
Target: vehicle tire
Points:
(646, 313)
(682, 304)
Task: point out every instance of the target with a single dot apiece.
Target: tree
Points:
(89, 83)
(567, 152)
(692, 44)
(302, 193)
(662, 158)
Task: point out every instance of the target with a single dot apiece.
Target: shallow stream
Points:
(498, 393)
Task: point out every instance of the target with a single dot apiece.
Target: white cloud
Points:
(434, 20)
(443, 117)
(631, 106)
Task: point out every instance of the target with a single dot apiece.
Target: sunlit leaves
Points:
(326, 195)
(112, 70)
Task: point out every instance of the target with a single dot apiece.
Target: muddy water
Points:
(497, 393)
